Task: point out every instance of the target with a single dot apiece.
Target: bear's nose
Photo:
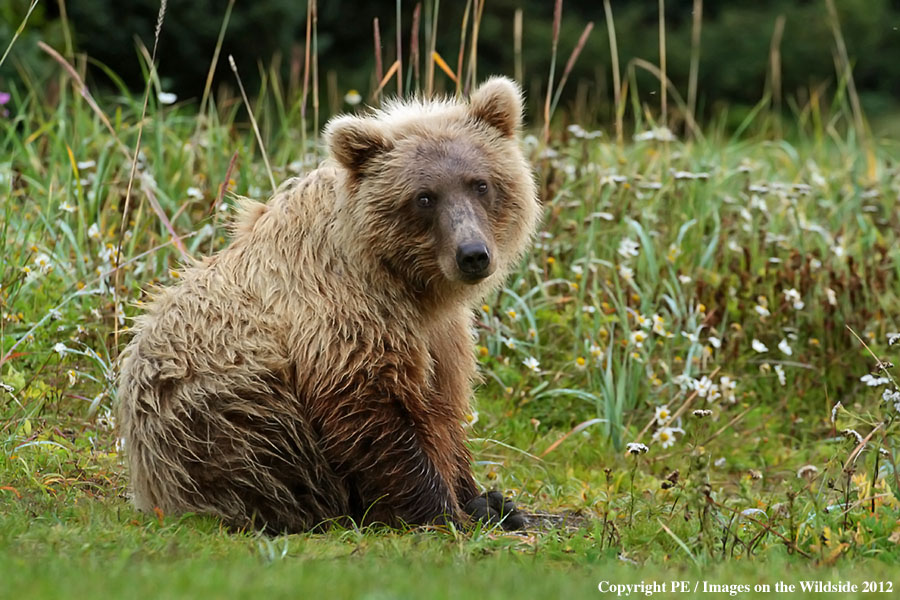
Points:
(473, 259)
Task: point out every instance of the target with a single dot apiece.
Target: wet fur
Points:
(321, 365)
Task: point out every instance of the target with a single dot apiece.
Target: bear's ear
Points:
(498, 102)
(354, 141)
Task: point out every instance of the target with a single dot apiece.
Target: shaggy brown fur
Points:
(321, 365)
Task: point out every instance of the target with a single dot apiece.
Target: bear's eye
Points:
(424, 201)
(481, 187)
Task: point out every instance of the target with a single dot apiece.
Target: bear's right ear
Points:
(354, 141)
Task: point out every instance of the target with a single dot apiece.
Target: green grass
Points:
(719, 231)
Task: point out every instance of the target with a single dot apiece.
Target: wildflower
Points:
(512, 315)
(761, 310)
(782, 379)
(626, 273)
(107, 420)
(750, 512)
(690, 175)
(43, 263)
(834, 410)
(831, 295)
(719, 462)
(107, 254)
(890, 396)
(636, 448)
(872, 381)
(589, 309)
(853, 435)
(659, 134)
(578, 270)
(509, 343)
(66, 206)
(692, 337)
(628, 248)
(685, 382)
(808, 472)
(784, 347)
(703, 386)
(4, 99)
(715, 342)
(73, 377)
(702, 413)
(196, 194)
(532, 363)
(666, 435)
(638, 337)
(60, 349)
(662, 414)
(471, 418)
(660, 329)
(580, 362)
(576, 130)
(727, 385)
(612, 179)
(352, 97)
(596, 351)
(166, 98)
(684, 279)
(94, 231)
(838, 249)
(674, 252)
(793, 296)
(758, 346)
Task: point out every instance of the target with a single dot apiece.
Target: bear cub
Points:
(320, 367)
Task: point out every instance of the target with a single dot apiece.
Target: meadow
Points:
(689, 377)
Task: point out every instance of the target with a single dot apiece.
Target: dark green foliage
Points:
(734, 60)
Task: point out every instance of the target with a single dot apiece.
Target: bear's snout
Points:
(473, 260)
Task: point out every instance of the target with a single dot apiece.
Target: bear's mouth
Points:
(473, 279)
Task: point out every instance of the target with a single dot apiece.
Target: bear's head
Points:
(438, 191)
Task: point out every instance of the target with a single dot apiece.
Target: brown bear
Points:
(320, 367)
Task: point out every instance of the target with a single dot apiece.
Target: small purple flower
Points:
(4, 98)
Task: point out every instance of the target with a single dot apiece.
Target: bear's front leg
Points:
(380, 450)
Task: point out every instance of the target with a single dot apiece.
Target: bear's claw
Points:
(492, 507)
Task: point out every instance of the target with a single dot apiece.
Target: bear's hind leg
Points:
(246, 457)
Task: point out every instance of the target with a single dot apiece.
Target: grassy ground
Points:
(717, 275)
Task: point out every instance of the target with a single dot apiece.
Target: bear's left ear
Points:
(498, 102)
(354, 141)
